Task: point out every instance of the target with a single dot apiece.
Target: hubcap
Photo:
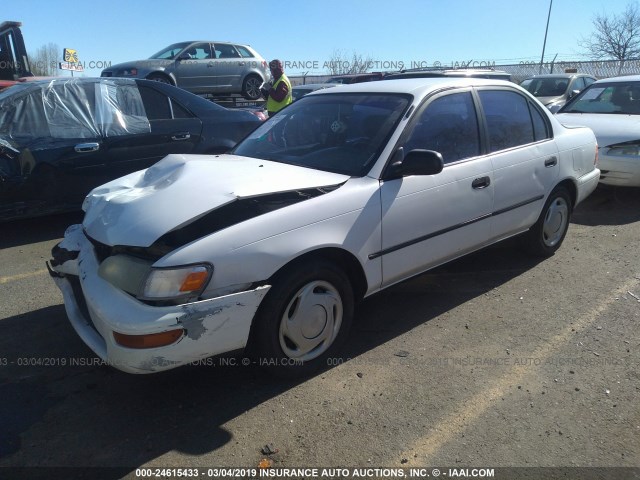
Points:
(555, 222)
(311, 321)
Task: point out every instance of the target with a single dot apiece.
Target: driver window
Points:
(199, 51)
(448, 125)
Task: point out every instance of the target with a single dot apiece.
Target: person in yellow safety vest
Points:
(279, 94)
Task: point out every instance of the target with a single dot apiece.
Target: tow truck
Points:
(14, 61)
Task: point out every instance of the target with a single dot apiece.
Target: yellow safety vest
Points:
(272, 105)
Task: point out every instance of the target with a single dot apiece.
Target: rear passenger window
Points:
(179, 111)
(508, 119)
(540, 130)
(156, 104)
(447, 125)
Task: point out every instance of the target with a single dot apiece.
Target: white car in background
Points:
(611, 108)
(345, 192)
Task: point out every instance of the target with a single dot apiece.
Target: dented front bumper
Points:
(97, 309)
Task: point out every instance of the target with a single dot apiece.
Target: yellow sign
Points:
(70, 55)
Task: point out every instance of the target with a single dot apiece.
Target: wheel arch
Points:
(161, 73)
(338, 256)
(572, 188)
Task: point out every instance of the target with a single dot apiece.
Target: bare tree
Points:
(44, 62)
(341, 64)
(615, 36)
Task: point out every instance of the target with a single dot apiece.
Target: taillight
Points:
(595, 159)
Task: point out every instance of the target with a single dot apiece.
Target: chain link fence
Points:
(520, 71)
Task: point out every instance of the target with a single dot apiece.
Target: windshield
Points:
(340, 133)
(170, 52)
(614, 97)
(546, 87)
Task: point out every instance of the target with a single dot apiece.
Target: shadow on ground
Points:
(91, 415)
(35, 230)
(609, 206)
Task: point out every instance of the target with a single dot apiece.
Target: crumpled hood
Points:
(610, 128)
(137, 209)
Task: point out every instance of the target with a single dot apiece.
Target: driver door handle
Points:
(181, 136)
(87, 147)
(480, 183)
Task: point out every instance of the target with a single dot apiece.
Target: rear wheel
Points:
(304, 319)
(547, 234)
(251, 87)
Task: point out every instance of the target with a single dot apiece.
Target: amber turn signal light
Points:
(195, 281)
(151, 340)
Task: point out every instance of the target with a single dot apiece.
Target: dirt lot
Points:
(494, 360)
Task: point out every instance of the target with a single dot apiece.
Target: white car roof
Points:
(415, 86)
(626, 78)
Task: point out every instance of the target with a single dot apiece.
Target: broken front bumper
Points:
(97, 309)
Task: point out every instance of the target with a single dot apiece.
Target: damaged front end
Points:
(138, 336)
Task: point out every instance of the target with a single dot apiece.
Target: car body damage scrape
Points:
(237, 211)
(209, 325)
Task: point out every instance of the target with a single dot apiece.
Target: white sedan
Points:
(345, 192)
(611, 108)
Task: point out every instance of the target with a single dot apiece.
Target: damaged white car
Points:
(341, 194)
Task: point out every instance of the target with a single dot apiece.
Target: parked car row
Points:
(187, 251)
(345, 192)
(60, 138)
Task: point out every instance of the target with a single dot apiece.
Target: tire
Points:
(159, 77)
(303, 320)
(251, 87)
(547, 234)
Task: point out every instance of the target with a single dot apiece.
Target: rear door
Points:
(173, 129)
(197, 73)
(230, 68)
(524, 158)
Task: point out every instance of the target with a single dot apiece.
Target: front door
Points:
(427, 220)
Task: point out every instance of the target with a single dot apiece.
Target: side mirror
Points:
(184, 56)
(422, 162)
(573, 93)
(416, 162)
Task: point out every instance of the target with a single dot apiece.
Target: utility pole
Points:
(545, 36)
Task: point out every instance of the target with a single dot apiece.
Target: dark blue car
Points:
(61, 138)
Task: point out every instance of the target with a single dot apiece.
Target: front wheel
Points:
(158, 77)
(547, 234)
(304, 319)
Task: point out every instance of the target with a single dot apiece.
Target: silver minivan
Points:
(201, 67)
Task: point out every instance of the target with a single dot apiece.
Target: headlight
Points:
(129, 72)
(625, 149)
(167, 283)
